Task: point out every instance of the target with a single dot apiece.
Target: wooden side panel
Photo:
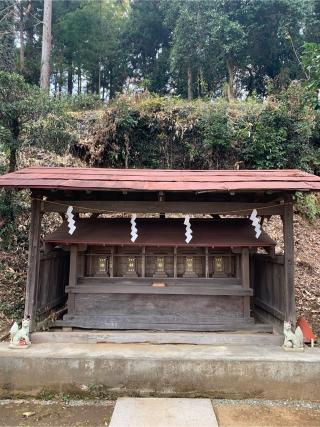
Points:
(53, 278)
(184, 307)
(33, 262)
(128, 311)
(269, 285)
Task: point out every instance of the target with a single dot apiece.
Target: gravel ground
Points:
(96, 413)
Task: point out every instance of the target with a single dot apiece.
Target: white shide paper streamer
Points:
(71, 222)
(134, 230)
(188, 233)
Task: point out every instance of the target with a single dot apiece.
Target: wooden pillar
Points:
(245, 279)
(175, 262)
(72, 277)
(143, 262)
(238, 266)
(288, 239)
(33, 262)
(111, 265)
(207, 262)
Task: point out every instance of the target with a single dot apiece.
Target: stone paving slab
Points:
(159, 412)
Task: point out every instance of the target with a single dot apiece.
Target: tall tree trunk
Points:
(231, 70)
(70, 78)
(190, 89)
(13, 158)
(60, 79)
(127, 150)
(46, 46)
(21, 36)
(55, 82)
(112, 91)
(99, 79)
(79, 80)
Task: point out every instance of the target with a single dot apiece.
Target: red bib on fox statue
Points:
(308, 335)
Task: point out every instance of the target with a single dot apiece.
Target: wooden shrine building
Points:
(225, 278)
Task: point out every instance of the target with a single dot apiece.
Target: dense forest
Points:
(191, 48)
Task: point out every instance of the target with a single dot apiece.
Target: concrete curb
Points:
(111, 370)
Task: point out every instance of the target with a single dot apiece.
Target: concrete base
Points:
(113, 370)
(155, 412)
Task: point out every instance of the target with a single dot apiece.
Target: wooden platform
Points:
(118, 323)
(127, 337)
(181, 286)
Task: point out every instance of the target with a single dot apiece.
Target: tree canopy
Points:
(191, 48)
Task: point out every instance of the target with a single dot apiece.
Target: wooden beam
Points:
(216, 208)
(288, 238)
(33, 262)
(245, 280)
(72, 277)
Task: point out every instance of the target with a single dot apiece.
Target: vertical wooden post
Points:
(245, 276)
(238, 267)
(175, 262)
(143, 262)
(72, 277)
(33, 262)
(288, 238)
(207, 262)
(111, 265)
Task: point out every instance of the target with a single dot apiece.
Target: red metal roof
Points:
(220, 233)
(160, 179)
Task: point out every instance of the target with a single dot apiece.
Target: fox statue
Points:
(19, 338)
(292, 340)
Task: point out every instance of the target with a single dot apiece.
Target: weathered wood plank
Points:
(198, 338)
(147, 281)
(166, 207)
(53, 276)
(130, 324)
(276, 313)
(146, 308)
(168, 290)
(33, 262)
(269, 284)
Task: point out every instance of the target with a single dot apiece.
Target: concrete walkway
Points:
(162, 370)
(155, 412)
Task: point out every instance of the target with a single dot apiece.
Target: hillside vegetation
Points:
(280, 131)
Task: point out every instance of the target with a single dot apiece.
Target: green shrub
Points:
(153, 131)
(308, 205)
(79, 102)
